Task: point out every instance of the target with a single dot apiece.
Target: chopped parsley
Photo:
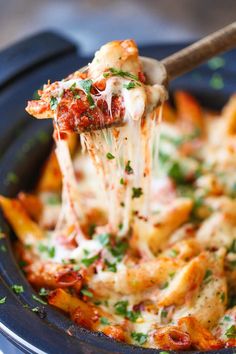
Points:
(53, 103)
(73, 90)
(86, 252)
(119, 249)
(97, 302)
(164, 313)
(88, 261)
(227, 318)
(121, 308)
(133, 315)
(139, 337)
(35, 309)
(136, 192)
(207, 276)
(53, 199)
(36, 298)
(104, 321)
(128, 168)
(91, 229)
(118, 72)
(176, 172)
(49, 250)
(110, 156)
(86, 292)
(216, 81)
(232, 247)
(131, 85)
(43, 292)
(122, 180)
(165, 285)
(173, 253)
(3, 248)
(86, 86)
(104, 239)
(216, 63)
(3, 300)
(12, 178)
(76, 267)
(111, 266)
(22, 264)
(231, 332)
(18, 289)
(222, 297)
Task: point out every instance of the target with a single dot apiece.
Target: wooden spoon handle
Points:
(200, 51)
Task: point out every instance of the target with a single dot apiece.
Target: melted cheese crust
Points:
(142, 245)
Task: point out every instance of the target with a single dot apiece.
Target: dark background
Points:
(93, 22)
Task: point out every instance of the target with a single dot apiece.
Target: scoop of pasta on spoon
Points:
(96, 96)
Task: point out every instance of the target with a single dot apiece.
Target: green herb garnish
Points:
(122, 181)
(49, 250)
(110, 156)
(104, 321)
(118, 72)
(86, 292)
(232, 247)
(139, 337)
(53, 199)
(173, 253)
(87, 85)
(216, 81)
(12, 178)
(73, 90)
(3, 248)
(53, 103)
(36, 298)
(165, 285)
(131, 85)
(121, 309)
(35, 309)
(3, 300)
(231, 332)
(91, 229)
(216, 63)
(222, 297)
(43, 292)
(171, 275)
(18, 289)
(136, 192)
(76, 267)
(176, 172)
(207, 276)
(104, 239)
(119, 249)
(133, 315)
(164, 313)
(128, 169)
(227, 318)
(111, 266)
(88, 261)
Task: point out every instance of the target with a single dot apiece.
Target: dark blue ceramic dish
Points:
(25, 143)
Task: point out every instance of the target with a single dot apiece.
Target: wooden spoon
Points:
(161, 72)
